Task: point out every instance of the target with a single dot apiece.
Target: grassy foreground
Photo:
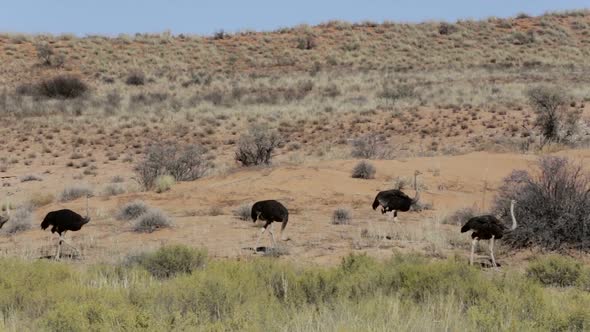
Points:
(406, 293)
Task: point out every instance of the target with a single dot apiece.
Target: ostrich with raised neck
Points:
(488, 227)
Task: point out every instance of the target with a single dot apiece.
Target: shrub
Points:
(75, 192)
(401, 182)
(555, 121)
(306, 42)
(136, 77)
(553, 205)
(393, 92)
(243, 212)
(183, 163)
(132, 210)
(20, 220)
(164, 183)
(46, 54)
(460, 216)
(113, 189)
(151, 221)
(341, 216)
(555, 270)
(170, 261)
(256, 147)
(62, 86)
(363, 170)
(446, 28)
(30, 177)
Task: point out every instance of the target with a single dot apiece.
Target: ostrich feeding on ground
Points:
(270, 211)
(396, 200)
(4, 219)
(487, 227)
(63, 221)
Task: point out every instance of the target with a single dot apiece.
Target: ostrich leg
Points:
(492, 252)
(259, 236)
(472, 251)
(58, 252)
(394, 215)
(272, 236)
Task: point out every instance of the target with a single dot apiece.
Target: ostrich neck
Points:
(512, 215)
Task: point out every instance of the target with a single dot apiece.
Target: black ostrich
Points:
(62, 221)
(270, 211)
(396, 200)
(4, 219)
(487, 227)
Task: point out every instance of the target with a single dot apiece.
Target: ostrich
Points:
(270, 211)
(62, 221)
(4, 220)
(395, 200)
(487, 227)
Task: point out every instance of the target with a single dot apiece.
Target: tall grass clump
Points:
(170, 261)
(460, 216)
(364, 170)
(553, 205)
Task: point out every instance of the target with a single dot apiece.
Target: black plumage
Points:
(484, 227)
(488, 227)
(270, 211)
(396, 200)
(62, 221)
(3, 220)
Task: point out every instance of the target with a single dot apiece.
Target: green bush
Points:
(169, 261)
(555, 270)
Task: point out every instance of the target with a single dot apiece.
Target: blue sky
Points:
(111, 17)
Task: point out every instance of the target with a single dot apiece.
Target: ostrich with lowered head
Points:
(487, 227)
(396, 200)
(62, 221)
(270, 211)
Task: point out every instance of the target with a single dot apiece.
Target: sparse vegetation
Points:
(38, 199)
(151, 221)
(460, 216)
(75, 192)
(556, 122)
(30, 177)
(341, 216)
(20, 220)
(132, 210)
(363, 170)
(243, 212)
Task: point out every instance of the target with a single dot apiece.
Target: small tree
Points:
(184, 163)
(256, 147)
(553, 210)
(556, 123)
